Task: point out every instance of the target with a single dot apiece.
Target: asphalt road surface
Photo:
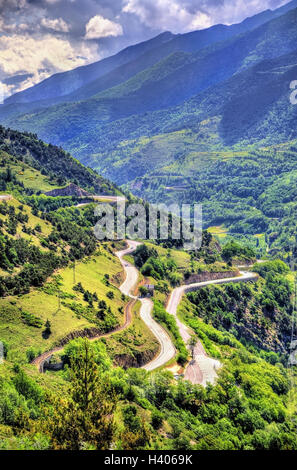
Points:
(167, 349)
(202, 369)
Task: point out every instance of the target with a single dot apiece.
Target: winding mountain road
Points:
(202, 369)
(167, 351)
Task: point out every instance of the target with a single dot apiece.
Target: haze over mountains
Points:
(156, 103)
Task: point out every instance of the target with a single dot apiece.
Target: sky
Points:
(41, 37)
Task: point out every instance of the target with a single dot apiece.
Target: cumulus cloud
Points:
(41, 37)
(42, 57)
(57, 24)
(99, 27)
(185, 15)
(173, 15)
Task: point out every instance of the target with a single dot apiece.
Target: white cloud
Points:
(57, 24)
(170, 15)
(5, 91)
(99, 27)
(180, 16)
(43, 56)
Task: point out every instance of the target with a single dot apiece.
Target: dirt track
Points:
(40, 360)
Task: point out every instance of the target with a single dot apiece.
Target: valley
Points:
(60, 286)
(136, 343)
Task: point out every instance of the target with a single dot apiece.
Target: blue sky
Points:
(41, 37)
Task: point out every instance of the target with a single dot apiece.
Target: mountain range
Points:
(151, 51)
(156, 116)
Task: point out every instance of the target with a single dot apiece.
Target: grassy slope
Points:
(46, 227)
(26, 174)
(90, 272)
(137, 338)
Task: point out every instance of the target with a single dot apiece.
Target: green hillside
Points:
(251, 193)
(52, 162)
(203, 117)
(59, 284)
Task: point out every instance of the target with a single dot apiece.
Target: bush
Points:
(156, 419)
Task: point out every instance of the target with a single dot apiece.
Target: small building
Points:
(146, 290)
(149, 287)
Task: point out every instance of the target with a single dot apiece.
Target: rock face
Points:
(208, 276)
(70, 190)
(54, 367)
(138, 360)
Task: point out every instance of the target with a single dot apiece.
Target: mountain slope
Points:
(86, 81)
(52, 161)
(93, 129)
(47, 300)
(63, 83)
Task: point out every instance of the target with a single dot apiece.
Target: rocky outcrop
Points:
(47, 365)
(70, 190)
(86, 333)
(137, 360)
(209, 276)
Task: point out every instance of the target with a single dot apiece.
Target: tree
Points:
(143, 291)
(48, 331)
(192, 343)
(137, 434)
(85, 420)
(84, 377)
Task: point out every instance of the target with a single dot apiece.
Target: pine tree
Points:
(85, 420)
(84, 377)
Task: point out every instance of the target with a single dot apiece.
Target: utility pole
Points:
(293, 344)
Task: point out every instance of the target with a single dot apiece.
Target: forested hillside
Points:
(253, 194)
(59, 285)
(226, 112)
(50, 160)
